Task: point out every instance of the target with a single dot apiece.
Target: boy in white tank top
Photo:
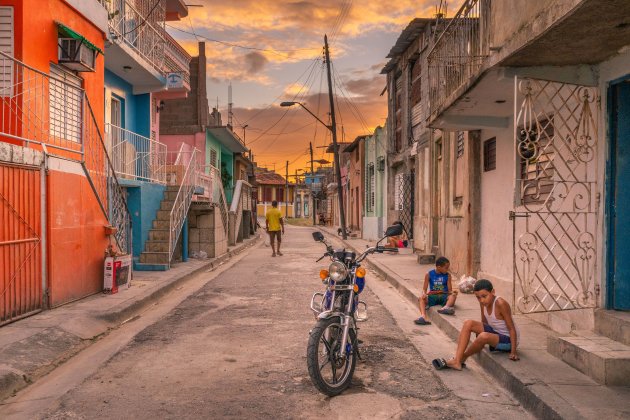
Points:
(496, 329)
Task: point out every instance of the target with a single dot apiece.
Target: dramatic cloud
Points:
(255, 62)
(257, 41)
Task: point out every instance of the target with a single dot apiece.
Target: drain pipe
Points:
(43, 173)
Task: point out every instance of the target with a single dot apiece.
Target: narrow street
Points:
(236, 348)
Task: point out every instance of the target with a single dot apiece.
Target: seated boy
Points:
(496, 329)
(437, 289)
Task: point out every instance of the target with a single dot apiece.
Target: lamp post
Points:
(342, 217)
(244, 127)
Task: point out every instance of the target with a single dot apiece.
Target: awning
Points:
(69, 33)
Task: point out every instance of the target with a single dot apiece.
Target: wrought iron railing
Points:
(53, 114)
(185, 178)
(459, 52)
(176, 60)
(140, 25)
(136, 157)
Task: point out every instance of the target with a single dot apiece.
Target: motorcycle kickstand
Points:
(356, 348)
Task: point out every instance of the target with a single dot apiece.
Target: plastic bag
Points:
(266, 235)
(466, 284)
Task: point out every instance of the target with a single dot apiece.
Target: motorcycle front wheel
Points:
(331, 373)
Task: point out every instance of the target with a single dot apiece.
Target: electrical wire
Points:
(245, 47)
(312, 67)
(144, 19)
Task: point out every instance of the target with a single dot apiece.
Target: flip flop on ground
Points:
(441, 364)
(422, 321)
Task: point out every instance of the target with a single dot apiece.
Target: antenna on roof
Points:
(230, 105)
(441, 11)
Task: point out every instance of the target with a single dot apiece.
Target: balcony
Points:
(135, 157)
(137, 50)
(458, 55)
(176, 61)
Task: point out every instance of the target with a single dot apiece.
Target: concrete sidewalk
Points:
(542, 383)
(34, 346)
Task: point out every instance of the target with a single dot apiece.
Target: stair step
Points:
(159, 234)
(171, 188)
(161, 224)
(154, 257)
(426, 258)
(605, 360)
(613, 324)
(171, 195)
(156, 246)
(163, 215)
(166, 205)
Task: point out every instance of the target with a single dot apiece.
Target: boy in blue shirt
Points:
(437, 289)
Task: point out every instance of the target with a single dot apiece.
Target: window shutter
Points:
(6, 46)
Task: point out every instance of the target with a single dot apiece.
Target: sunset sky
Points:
(282, 61)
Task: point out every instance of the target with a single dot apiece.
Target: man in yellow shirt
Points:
(274, 224)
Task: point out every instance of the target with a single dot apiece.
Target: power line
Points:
(245, 47)
(312, 67)
(144, 20)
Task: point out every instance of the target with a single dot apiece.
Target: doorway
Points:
(618, 284)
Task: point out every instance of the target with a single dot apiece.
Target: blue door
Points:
(619, 198)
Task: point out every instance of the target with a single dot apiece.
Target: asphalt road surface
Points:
(236, 348)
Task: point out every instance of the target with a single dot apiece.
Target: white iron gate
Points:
(555, 216)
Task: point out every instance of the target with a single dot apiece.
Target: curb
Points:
(13, 380)
(130, 311)
(536, 397)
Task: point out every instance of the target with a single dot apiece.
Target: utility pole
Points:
(333, 129)
(286, 202)
(313, 207)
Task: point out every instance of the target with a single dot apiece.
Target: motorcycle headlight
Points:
(337, 271)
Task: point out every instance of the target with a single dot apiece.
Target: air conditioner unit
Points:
(75, 55)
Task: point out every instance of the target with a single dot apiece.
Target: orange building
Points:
(57, 193)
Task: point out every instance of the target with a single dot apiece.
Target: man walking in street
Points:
(274, 224)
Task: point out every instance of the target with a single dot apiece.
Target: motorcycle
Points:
(333, 344)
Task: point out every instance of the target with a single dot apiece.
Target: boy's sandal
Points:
(446, 311)
(440, 364)
(421, 321)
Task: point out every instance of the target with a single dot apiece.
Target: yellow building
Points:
(272, 186)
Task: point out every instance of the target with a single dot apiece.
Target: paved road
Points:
(235, 348)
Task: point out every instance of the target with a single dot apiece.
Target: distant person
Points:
(437, 289)
(496, 329)
(399, 241)
(274, 225)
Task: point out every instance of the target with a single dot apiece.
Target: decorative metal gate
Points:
(555, 217)
(20, 242)
(406, 206)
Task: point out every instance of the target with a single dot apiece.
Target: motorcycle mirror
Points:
(394, 230)
(318, 237)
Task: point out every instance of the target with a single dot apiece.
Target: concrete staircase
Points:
(156, 248)
(602, 354)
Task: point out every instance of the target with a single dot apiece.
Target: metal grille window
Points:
(213, 157)
(460, 144)
(370, 184)
(6, 46)
(398, 181)
(66, 104)
(490, 154)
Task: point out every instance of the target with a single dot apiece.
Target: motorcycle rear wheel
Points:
(330, 373)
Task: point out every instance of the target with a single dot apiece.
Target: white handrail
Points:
(135, 156)
(182, 202)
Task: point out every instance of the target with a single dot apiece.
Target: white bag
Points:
(466, 284)
(266, 234)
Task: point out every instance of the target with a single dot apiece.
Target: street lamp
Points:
(342, 216)
(244, 127)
